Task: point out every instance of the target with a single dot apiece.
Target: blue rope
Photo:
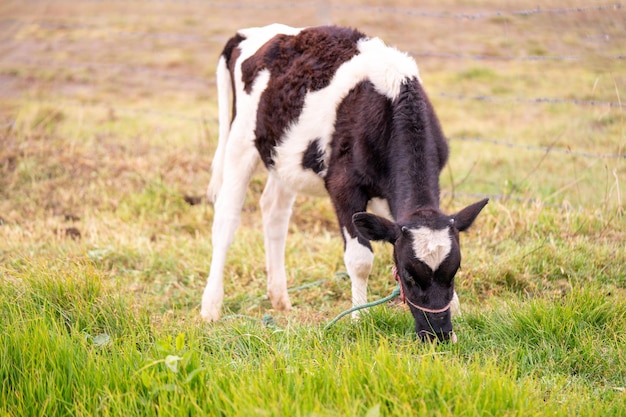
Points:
(395, 293)
(268, 320)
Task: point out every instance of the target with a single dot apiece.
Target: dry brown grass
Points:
(108, 123)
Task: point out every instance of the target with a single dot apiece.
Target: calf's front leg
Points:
(358, 258)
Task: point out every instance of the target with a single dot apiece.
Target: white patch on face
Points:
(386, 67)
(431, 246)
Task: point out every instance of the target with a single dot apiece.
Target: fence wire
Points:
(535, 100)
(136, 69)
(205, 120)
(381, 9)
(483, 15)
(206, 81)
(191, 38)
(544, 149)
(535, 58)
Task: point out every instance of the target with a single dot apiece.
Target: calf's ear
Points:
(373, 227)
(464, 218)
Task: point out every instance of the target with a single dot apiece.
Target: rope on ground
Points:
(307, 286)
(268, 320)
(395, 293)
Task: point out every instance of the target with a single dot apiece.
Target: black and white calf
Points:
(330, 111)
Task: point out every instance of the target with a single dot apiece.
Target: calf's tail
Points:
(224, 100)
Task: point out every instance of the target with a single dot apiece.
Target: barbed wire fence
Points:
(324, 8)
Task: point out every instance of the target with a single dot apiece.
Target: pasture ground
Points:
(107, 129)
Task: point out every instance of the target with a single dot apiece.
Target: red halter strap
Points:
(404, 298)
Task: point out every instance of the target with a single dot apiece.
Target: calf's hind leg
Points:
(276, 205)
(241, 159)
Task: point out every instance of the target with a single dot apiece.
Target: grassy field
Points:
(107, 129)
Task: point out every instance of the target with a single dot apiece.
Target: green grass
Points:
(70, 347)
(103, 259)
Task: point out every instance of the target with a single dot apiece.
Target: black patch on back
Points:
(313, 157)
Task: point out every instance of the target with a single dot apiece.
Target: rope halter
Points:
(405, 299)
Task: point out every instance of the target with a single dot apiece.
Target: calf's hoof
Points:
(211, 308)
(280, 302)
(210, 313)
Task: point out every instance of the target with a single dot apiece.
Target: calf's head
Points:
(427, 255)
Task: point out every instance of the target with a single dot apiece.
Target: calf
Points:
(331, 111)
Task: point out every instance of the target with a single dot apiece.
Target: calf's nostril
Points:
(427, 336)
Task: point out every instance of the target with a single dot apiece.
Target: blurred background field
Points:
(108, 123)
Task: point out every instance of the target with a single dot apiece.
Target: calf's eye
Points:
(409, 279)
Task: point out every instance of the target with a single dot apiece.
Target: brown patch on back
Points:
(298, 64)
